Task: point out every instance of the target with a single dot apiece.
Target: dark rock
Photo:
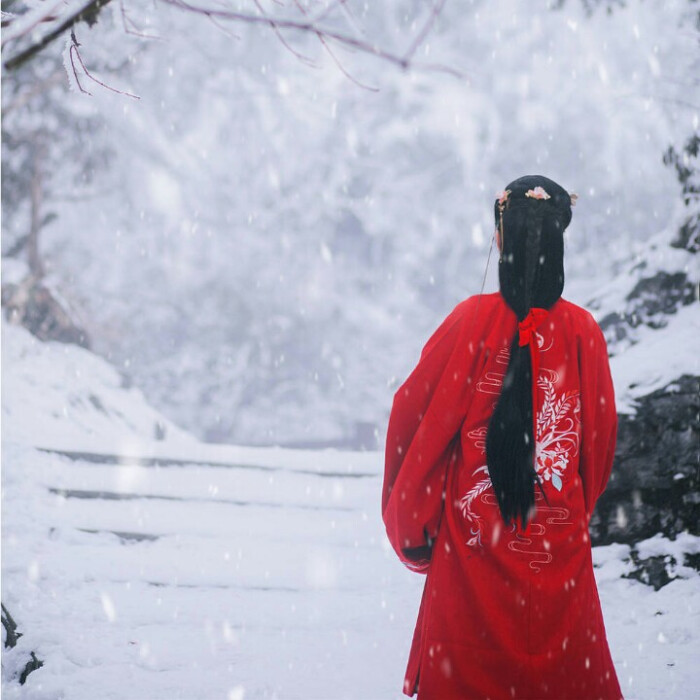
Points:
(654, 485)
(652, 571)
(11, 637)
(649, 303)
(32, 665)
(33, 306)
(689, 234)
(159, 430)
(658, 571)
(11, 633)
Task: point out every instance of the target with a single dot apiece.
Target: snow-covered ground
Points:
(144, 568)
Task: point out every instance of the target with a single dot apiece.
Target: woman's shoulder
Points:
(463, 320)
(576, 312)
(478, 303)
(582, 320)
(490, 306)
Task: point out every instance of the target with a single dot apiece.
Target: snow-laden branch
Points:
(68, 14)
(88, 12)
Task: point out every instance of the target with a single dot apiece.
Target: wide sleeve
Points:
(422, 438)
(598, 413)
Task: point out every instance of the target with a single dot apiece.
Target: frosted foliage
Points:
(270, 244)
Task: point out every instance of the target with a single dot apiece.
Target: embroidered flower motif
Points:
(502, 196)
(557, 433)
(537, 193)
(556, 443)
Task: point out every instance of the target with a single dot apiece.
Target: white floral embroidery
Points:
(556, 443)
(466, 503)
(557, 431)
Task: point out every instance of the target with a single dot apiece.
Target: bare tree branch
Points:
(420, 38)
(309, 26)
(29, 20)
(133, 30)
(215, 22)
(300, 56)
(333, 56)
(325, 12)
(91, 8)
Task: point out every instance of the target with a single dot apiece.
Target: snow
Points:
(268, 250)
(653, 636)
(657, 359)
(176, 569)
(65, 393)
(262, 248)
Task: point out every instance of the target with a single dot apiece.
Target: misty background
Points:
(263, 244)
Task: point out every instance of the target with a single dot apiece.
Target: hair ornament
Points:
(538, 193)
(502, 197)
(502, 201)
(574, 197)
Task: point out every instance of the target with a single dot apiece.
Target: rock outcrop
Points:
(655, 484)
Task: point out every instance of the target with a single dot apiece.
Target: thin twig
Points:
(300, 56)
(306, 26)
(215, 22)
(335, 58)
(325, 12)
(351, 19)
(126, 20)
(420, 37)
(74, 48)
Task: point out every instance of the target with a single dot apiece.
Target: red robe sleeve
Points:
(426, 416)
(598, 413)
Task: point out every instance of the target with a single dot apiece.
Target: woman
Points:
(510, 607)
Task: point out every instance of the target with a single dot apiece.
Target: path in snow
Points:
(174, 579)
(164, 577)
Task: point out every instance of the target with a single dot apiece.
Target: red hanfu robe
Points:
(504, 613)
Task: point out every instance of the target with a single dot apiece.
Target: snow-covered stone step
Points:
(192, 562)
(84, 494)
(206, 482)
(304, 462)
(136, 603)
(201, 517)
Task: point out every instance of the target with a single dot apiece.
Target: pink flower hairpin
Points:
(502, 196)
(538, 193)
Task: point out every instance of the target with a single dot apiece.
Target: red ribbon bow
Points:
(527, 336)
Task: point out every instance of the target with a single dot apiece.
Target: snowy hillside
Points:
(64, 395)
(650, 314)
(144, 569)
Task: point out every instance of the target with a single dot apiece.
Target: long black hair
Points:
(531, 274)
